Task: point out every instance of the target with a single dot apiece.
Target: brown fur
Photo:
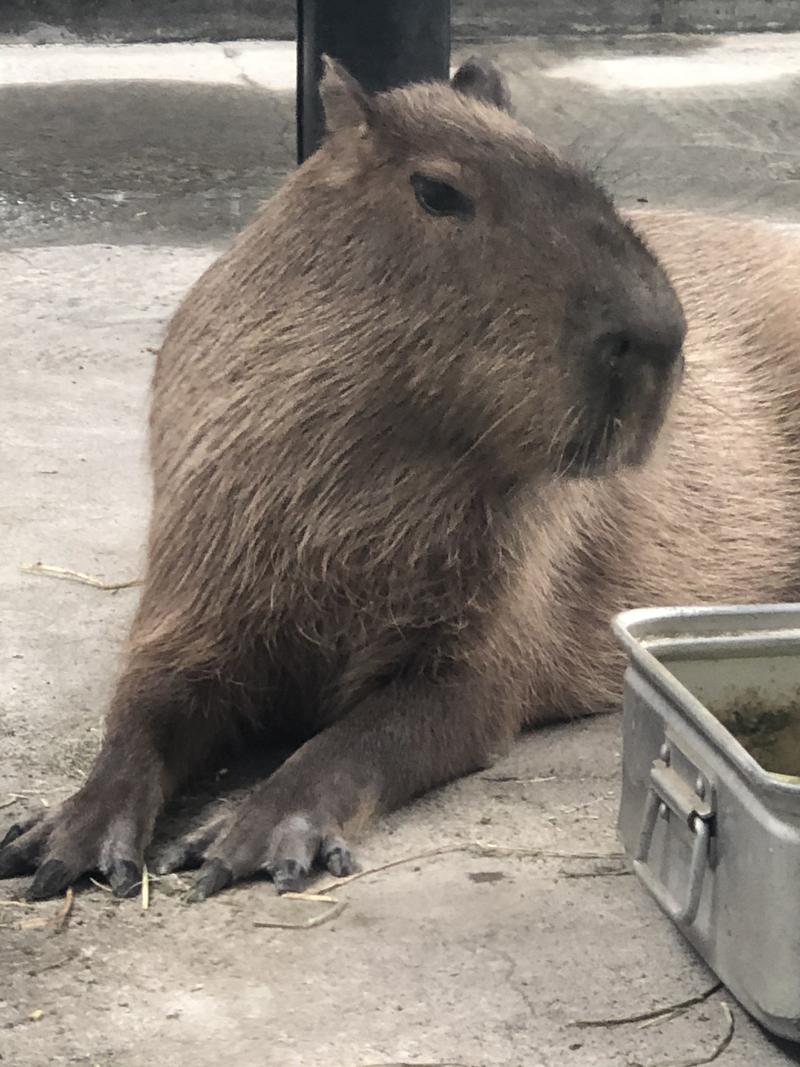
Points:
(713, 516)
(364, 529)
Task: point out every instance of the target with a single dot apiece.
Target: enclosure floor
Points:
(113, 198)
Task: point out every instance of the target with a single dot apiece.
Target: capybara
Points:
(437, 415)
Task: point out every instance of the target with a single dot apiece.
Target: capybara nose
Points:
(626, 349)
(652, 336)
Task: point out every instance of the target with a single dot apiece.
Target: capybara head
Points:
(495, 289)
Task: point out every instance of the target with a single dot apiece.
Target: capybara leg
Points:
(149, 746)
(397, 744)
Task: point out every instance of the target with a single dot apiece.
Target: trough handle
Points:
(666, 787)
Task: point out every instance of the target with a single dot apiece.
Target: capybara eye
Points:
(439, 198)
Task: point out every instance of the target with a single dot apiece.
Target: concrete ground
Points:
(123, 172)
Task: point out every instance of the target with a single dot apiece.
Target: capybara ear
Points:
(344, 101)
(482, 79)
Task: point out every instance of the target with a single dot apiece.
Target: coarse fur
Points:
(407, 466)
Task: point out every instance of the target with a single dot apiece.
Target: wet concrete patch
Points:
(727, 147)
(156, 161)
(144, 161)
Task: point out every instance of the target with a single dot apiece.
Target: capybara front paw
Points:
(82, 836)
(287, 850)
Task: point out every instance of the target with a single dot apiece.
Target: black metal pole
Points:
(383, 43)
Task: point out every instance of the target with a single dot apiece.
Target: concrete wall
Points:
(45, 21)
(623, 16)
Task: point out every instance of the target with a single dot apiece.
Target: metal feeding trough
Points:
(710, 810)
